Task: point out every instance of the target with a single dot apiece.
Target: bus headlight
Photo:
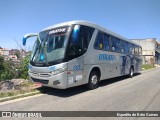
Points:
(58, 71)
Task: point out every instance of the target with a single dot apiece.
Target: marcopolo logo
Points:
(106, 57)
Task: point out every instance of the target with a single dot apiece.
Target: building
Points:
(13, 51)
(4, 52)
(150, 50)
(19, 53)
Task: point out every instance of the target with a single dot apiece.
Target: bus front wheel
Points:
(93, 80)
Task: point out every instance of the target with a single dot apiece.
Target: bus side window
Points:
(124, 47)
(115, 42)
(131, 48)
(99, 41)
(136, 50)
(140, 51)
(106, 42)
(87, 35)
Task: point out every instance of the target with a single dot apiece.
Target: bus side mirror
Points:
(24, 41)
(28, 36)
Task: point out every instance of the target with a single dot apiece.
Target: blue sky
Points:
(129, 18)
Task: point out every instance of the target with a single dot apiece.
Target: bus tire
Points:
(131, 72)
(93, 80)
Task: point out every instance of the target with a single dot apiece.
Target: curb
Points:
(19, 96)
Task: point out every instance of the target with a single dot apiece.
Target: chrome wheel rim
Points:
(131, 72)
(94, 80)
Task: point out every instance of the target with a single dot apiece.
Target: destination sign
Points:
(56, 31)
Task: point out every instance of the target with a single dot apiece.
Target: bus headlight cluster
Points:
(58, 71)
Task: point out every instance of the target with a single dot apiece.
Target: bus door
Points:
(76, 49)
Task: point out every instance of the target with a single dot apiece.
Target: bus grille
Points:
(39, 80)
(40, 74)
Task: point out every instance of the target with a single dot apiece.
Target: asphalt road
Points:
(140, 93)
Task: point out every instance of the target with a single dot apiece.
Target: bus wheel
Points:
(93, 80)
(131, 72)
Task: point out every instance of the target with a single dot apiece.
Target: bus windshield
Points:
(56, 46)
(50, 49)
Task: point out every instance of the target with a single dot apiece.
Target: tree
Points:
(1, 63)
(23, 71)
(17, 53)
(8, 71)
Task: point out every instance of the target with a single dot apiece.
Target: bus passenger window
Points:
(124, 47)
(106, 42)
(140, 51)
(131, 49)
(99, 41)
(115, 44)
(136, 50)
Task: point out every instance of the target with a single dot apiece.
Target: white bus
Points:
(80, 52)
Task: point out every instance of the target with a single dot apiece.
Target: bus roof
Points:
(90, 24)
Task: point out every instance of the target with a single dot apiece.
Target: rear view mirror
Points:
(28, 36)
(24, 41)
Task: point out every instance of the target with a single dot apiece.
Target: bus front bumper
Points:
(58, 81)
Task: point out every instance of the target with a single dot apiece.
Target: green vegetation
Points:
(147, 66)
(18, 54)
(9, 70)
(6, 69)
(1, 65)
(23, 70)
(17, 94)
